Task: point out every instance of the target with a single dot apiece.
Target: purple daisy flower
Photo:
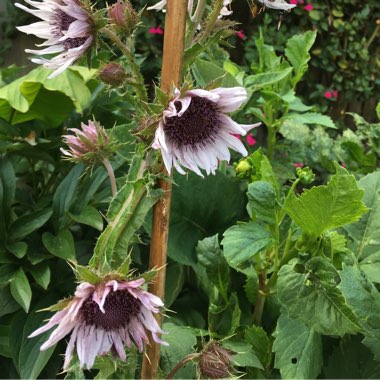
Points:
(67, 27)
(196, 133)
(103, 318)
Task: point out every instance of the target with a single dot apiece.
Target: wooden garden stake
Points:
(174, 40)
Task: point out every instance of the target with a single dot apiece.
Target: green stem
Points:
(138, 78)
(212, 20)
(260, 299)
(290, 192)
(184, 361)
(271, 141)
(111, 175)
(373, 36)
(195, 20)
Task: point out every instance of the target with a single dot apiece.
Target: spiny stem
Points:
(111, 175)
(140, 89)
(195, 20)
(212, 20)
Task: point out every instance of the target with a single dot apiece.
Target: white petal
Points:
(230, 98)
(70, 348)
(233, 143)
(49, 50)
(210, 95)
(159, 6)
(231, 126)
(119, 345)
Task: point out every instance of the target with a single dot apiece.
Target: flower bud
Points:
(123, 16)
(306, 175)
(112, 74)
(215, 361)
(243, 168)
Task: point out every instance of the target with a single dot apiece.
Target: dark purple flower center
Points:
(62, 24)
(198, 125)
(120, 307)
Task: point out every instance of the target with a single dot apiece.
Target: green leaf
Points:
(262, 202)
(7, 193)
(65, 194)
(258, 81)
(298, 349)
(199, 209)
(309, 292)
(243, 242)
(89, 216)
(361, 295)
(310, 118)
(4, 341)
(181, 341)
(29, 223)
(207, 72)
(244, 355)
(7, 303)
(297, 52)
(326, 207)
(365, 234)
(41, 274)
(86, 274)
(61, 245)
(18, 248)
(21, 290)
(258, 339)
(174, 281)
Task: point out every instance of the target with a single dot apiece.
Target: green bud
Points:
(306, 175)
(243, 167)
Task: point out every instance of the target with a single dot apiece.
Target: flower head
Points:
(113, 74)
(67, 28)
(281, 5)
(196, 133)
(240, 34)
(88, 144)
(308, 7)
(103, 318)
(123, 16)
(157, 30)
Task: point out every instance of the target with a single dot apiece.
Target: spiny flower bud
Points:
(123, 16)
(112, 74)
(215, 361)
(306, 175)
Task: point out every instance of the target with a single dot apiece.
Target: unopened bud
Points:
(306, 175)
(123, 16)
(112, 74)
(243, 166)
(215, 361)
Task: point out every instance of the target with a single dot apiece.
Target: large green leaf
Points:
(90, 216)
(310, 118)
(244, 356)
(65, 194)
(201, 207)
(298, 349)
(23, 95)
(309, 292)
(61, 245)
(7, 193)
(258, 339)
(262, 202)
(26, 224)
(243, 242)
(181, 341)
(365, 234)
(297, 52)
(326, 207)
(21, 290)
(8, 304)
(41, 274)
(258, 81)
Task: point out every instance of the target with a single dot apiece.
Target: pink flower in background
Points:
(308, 7)
(343, 165)
(157, 30)
(251, 140)
(298, 165)
(295, 2)
(335, 93)
(328, 95)
(103, 318)
(240, 34)
(237, 136)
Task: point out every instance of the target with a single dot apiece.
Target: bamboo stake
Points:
(174, 40)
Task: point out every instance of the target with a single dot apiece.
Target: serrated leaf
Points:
(258, 339)
(365, 234)
(297, 52)
(326, 207)
(29, 223)
(20, 289)
(310, 118)
(244, 355)
(298, 349)
(86, 274)
(310, 294)
(258, 81)
(89, 216)
(243, 242)
(61, 245)
(262, 202)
